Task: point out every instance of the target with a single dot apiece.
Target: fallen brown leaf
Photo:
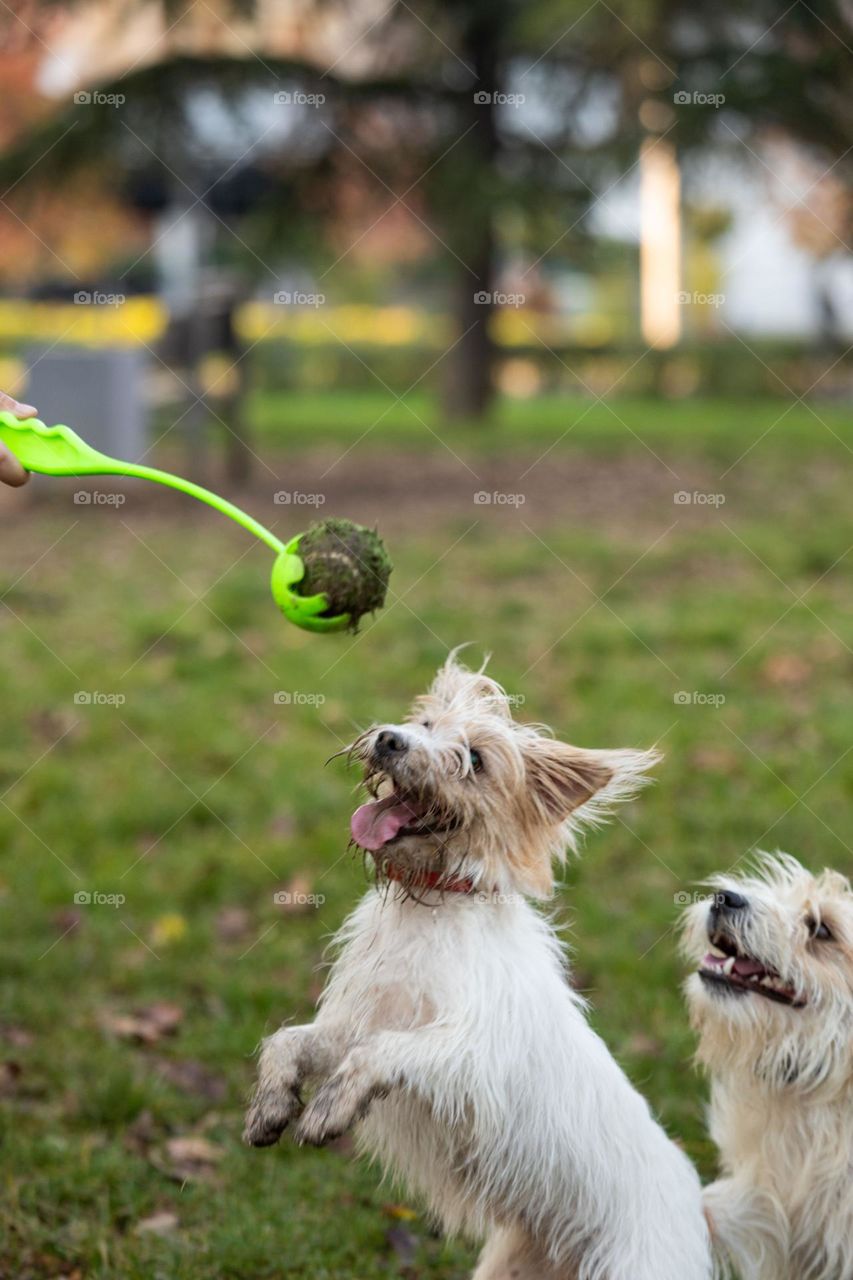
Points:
(643, 1046)
(18, 1037)
(48, 1265)
(10, 1075)
(192, 1077)
(786, 669)
(283, 825)
(158, 1224)
(296, 897)
(403, 1243)
(233, 924)
(141, 1133)
(66, 921)
(147, 1025)
(187, 1158)
(54, 726)
(715, 760)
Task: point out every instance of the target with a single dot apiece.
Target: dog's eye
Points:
(426, 724)
(819, 931)
(476, 760)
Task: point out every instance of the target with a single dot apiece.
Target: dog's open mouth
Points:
(726, 966)
(377, 823)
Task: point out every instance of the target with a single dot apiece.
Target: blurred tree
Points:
(495, 124)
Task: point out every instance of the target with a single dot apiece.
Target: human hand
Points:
(11, 471)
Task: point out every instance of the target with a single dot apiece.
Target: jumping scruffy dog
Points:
(448, 1030)
(773, 1004)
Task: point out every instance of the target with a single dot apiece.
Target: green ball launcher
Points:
(59, 451)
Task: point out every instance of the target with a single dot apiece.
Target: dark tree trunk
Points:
(469, 371)
(238, 452)
(469, 367)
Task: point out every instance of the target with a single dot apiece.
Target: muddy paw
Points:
(322, 1120)
(335, 1107)
(269, 1115)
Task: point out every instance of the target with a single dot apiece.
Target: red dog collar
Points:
(429, 880)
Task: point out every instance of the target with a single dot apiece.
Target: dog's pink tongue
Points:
(375, 823)
(745, 968)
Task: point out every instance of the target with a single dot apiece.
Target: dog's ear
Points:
(562, 777)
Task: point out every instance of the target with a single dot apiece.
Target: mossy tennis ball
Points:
(348, 564)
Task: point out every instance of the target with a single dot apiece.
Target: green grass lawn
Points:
(190, 790)
(714, 428)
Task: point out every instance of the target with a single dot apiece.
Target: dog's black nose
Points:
(726, 901)
(389, 743)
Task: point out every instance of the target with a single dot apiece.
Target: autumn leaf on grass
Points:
(54, 727)
(18, 1037)
(403, 1243)
(147, 1025)
(10, 1074)
(786, 670)
(715, 759)
(46, 1265)
(192, 1077)
(297, 896)
(642, 1045)
(189, 1158)
(283, 825)
(232, 924)
(401, 1212)
(66, 921)
(157, 1224)
(141, 1134)
(168, 929)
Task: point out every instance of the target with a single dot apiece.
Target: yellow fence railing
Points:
(100, 319)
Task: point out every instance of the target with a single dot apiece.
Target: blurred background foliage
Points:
(559, 295)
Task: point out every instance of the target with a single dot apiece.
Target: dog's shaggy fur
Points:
(773, 1004)
(448, 1028)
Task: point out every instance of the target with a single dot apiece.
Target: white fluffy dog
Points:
(773, 1004)
(448, 1029)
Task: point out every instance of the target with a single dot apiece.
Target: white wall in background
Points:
(769, 282)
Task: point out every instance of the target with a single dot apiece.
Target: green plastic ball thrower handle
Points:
(59, 451)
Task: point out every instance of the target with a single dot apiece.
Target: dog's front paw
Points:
(269, 1114)
(336, 1106)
